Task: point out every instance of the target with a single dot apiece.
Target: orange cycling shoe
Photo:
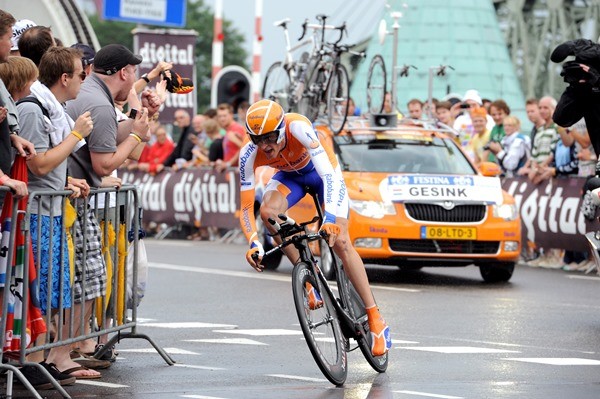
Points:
(380, 333)
(314, 299)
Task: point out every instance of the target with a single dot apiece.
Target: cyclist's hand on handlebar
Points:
(332, 231)
(255, 254)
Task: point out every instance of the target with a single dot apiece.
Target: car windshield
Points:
(438, 156)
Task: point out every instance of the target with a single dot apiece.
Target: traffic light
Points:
(232, 86)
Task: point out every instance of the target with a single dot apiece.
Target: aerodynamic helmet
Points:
(265, 122)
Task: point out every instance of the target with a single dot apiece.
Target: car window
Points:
(441, 156)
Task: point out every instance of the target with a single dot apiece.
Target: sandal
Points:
(82, 377)
(89, 362)
(110, 354)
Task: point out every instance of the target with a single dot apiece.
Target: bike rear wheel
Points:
(378, 363)
(276, 85)
(320, 326)
(337, 99)
(376, 85)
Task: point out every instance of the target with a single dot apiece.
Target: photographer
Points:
(581, 99)
(514, 149)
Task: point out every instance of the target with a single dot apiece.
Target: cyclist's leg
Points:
(355, 269)
(281, 193)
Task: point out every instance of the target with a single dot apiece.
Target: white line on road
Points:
(200, 397)
(429, 395)
(593, 278)
(558, 361)
(261, 276)
(192, 366)
(100, 384)
(297, 377)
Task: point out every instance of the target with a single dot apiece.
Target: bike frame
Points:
(351, 324)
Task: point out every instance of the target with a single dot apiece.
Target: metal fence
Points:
(97, 254)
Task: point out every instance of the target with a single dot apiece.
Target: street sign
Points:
(149, 12)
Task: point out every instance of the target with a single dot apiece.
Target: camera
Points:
(132, 113)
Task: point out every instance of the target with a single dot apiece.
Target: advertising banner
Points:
(550, 212)
(188, 196)
(170, 45)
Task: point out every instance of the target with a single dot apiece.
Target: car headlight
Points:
(373, 209)
(506, 211)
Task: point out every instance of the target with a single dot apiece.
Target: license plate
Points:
(448, 233)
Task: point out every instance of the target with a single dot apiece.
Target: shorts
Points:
(93, 263)
(53, 265)
(297, 184)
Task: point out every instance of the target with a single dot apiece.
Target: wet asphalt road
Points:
(233, 334)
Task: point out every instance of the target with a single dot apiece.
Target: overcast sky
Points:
(362, 18)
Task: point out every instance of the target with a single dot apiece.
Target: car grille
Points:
(437, 213)
(445, 246)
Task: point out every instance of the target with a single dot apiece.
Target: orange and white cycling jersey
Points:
(307, 156)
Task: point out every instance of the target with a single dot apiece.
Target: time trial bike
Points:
(329, 328)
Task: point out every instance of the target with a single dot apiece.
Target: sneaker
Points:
(62, 378)
(314, 298)
(35, 377)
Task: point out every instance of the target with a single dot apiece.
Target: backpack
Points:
(31, 99)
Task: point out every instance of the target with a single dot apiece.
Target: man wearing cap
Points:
(18, 28)
(463, 123)
(88, 57)
(109, 144)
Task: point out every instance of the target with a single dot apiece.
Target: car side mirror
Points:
(490, 169)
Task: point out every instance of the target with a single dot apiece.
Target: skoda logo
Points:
(448, 205)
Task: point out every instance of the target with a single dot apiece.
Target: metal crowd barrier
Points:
(118, 214)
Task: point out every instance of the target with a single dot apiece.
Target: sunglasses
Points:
(266, 138)
(82, 75)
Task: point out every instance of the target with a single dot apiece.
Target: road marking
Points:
(235, 341)
(171, 351)
(456, 349)
(100, 384)
(429, 395)
(558, 361)
(193, 366)
(297, 377)
(261, 332)
(188, 325)
(596, 278)
(200, 397)
(261, 276)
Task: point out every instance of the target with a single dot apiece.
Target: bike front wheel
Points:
(277, 85)
(320, 325)
(337, 99)
(376, 85)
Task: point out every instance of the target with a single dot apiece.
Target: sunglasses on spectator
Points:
(82, 75)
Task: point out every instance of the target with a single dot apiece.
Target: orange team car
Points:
(417, 200)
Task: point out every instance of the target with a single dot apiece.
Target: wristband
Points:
(145, 77)
(135, 136)
(4, 179)
(76, 134)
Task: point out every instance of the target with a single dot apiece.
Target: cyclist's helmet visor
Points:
(274, 137)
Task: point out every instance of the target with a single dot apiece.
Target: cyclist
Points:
(288, 143)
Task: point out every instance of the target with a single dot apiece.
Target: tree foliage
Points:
(200, 18)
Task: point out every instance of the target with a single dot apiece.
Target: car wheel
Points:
(326, 260)
(272, 261)
(497, 272)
